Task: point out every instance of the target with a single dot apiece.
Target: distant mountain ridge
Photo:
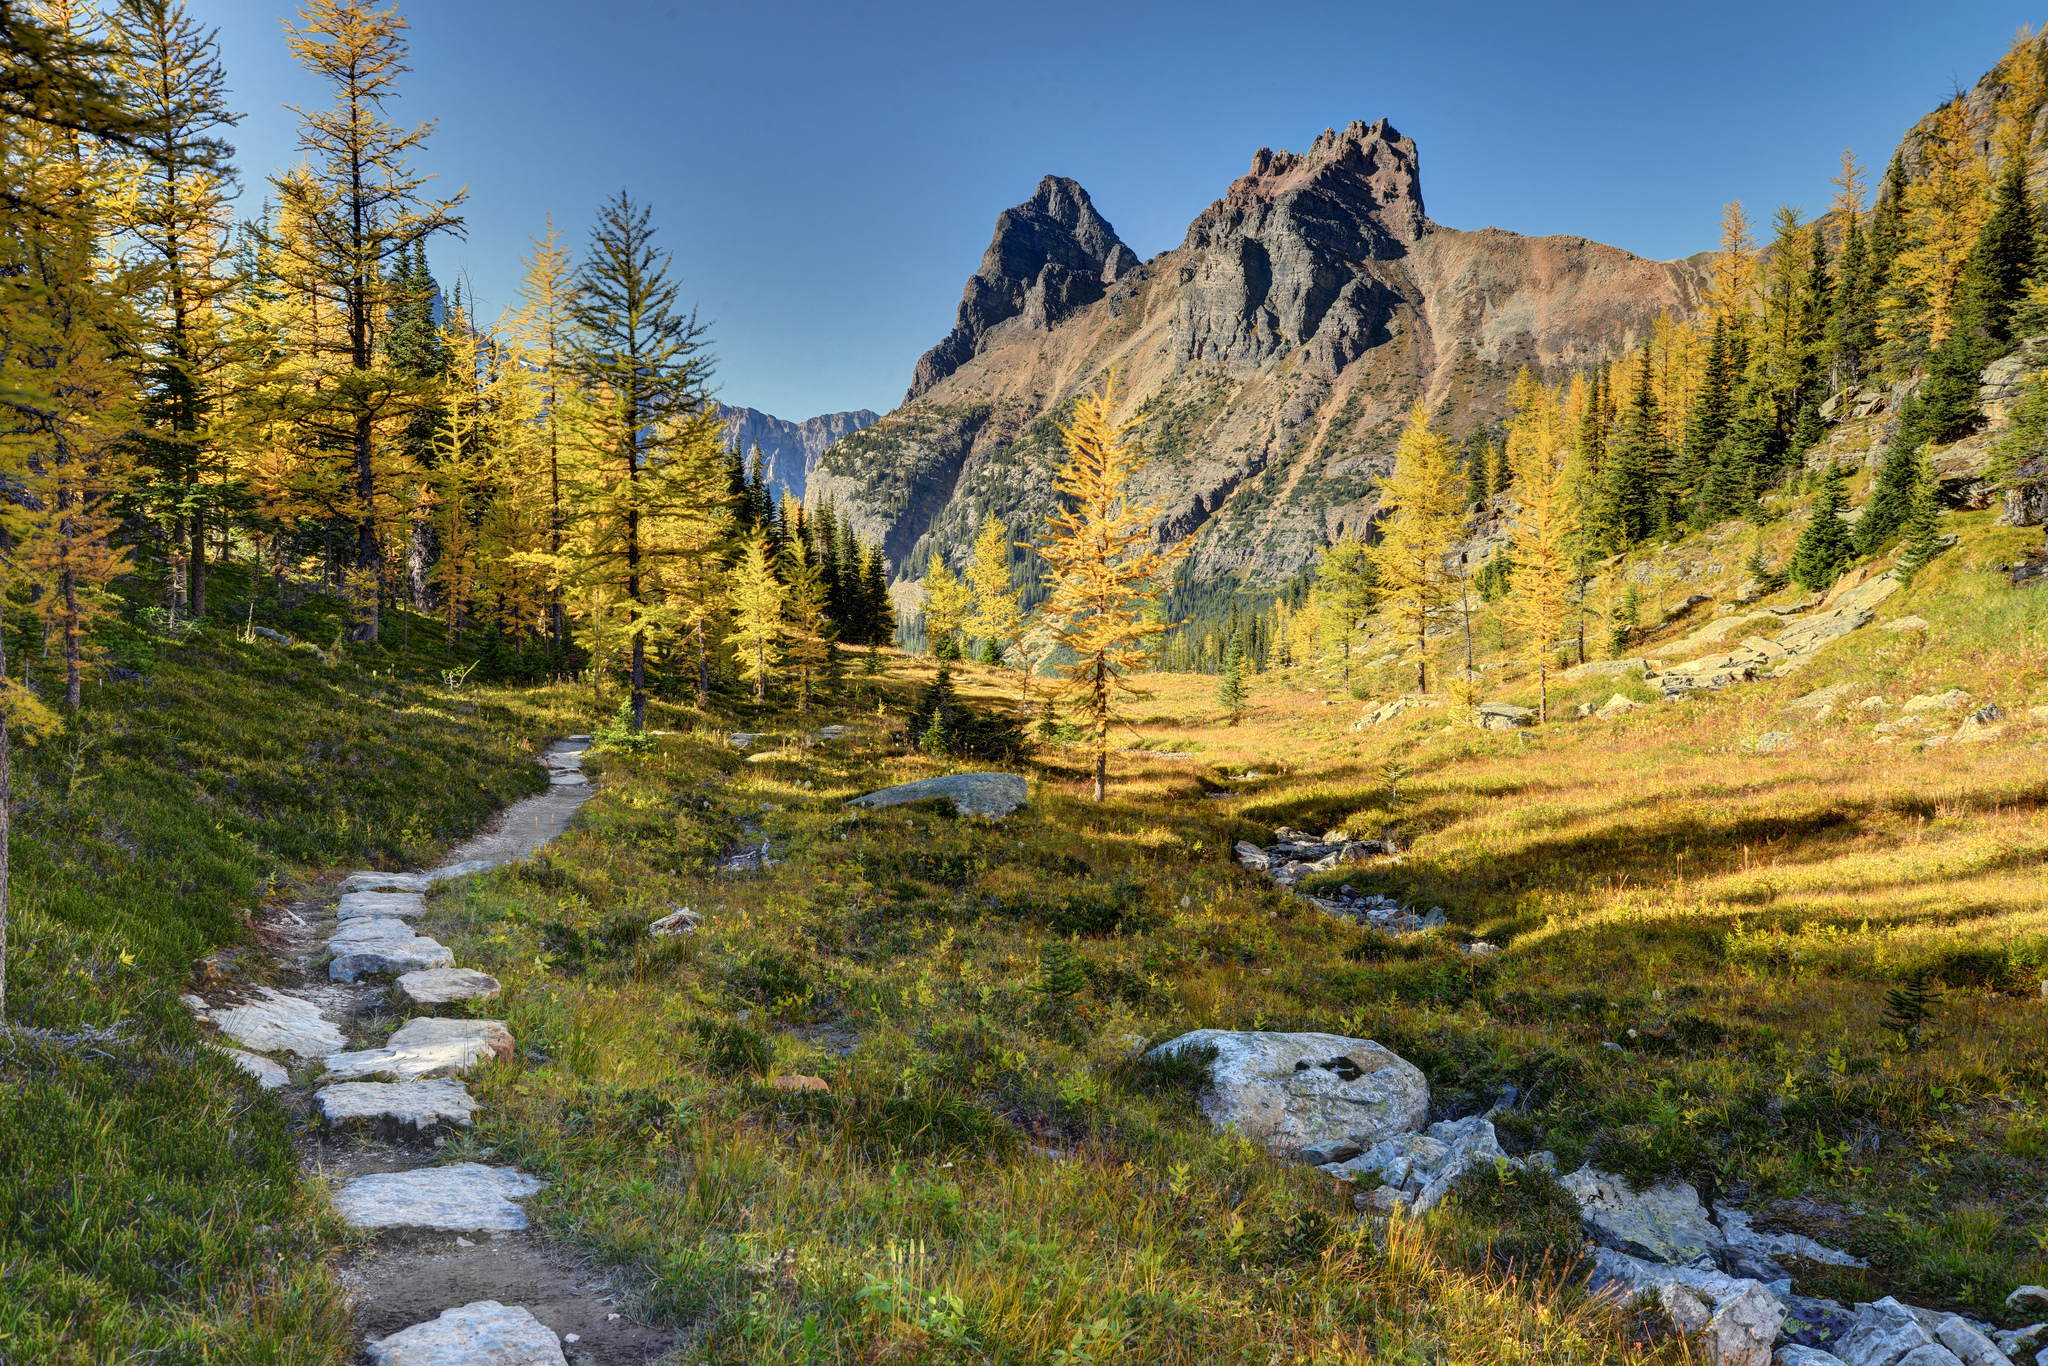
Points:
(1272, 357)
(790, 450)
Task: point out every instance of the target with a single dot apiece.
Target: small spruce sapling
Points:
(1622, 620)
(1230, 685)
(1909, 1006)
(1062, 973)
(1826, 545)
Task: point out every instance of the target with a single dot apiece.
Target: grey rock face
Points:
(1737, 1318)
(439, 986)
(458, 1199)
(1662, 1223)
(410, 1104)
(485, 1333)
(1420, 1169)
(789, 450)
(279, 1023)
(1503, 716)
(1050, 255)
(1324, 1096)
(976, 794)
(1885, 1334)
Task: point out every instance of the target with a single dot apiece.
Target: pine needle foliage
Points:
(1415, 585)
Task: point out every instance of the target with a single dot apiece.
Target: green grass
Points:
(151, 1203)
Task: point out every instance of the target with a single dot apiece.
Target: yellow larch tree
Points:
(1546, 535)
(1426, 493)
(807, 630)
(1731, 295)
(757, 598)
(1104, 571)
(998, 607)
(948, 602)
(1945, 206)
(537, 363)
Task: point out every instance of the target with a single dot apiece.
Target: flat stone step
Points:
(463, 869)
(485, 1333)
(425, 1047)
(269, 1075)
(357, 905)
(386, 882)
(408, 1104)
(367, 928)
(459, 1199)
(397, 956)
(439, 986)
(279, 1023)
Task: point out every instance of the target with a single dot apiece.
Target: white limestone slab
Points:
(425, 1048)
(369, 928)
(279, 1023)
(397, 956)
(485, 1333)
(463, 1198)
(415, 1104)
(269, 1075)
(439, 986)
(357, 905)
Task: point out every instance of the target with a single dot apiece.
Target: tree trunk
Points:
(6, 825)
(703, 671)
(1543, 690)
(195, 568)
(68, 585)
(367, 553)
(639, 681)
(1101, 771)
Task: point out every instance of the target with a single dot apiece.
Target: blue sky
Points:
(827, 174)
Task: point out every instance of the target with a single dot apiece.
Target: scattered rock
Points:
(1421, 1168)
(410, 1104)
(1885, 1334)
(1934, 701)
(1738, 1230)
(279, 1023)
(425, 1047)
(797, 1081)
(439, 986)
(1865, 594)
(1822, 697)
(1913, 623)
(1620, 704)
(1503, 716)
(269, 1075)
(265, 633)
(681, 921)
(485, 1333)
(1661, 1223)
(1317, 1098)
(1970, 1346)
(1981, 725)
(458, 1199)
(1741, 1317)
(974, 794)
(740, 739)
(379, 905)
(2026, 1294)
(1771, 741)
(1387, 711)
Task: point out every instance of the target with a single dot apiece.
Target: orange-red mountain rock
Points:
(1272, 357)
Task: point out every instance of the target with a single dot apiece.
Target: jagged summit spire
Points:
(1049, 256)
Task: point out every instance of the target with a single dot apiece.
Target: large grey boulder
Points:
(1807, 634)
(409, 1104)
(1968, 1342)
(1502, 716)
(1660, 1223)
(1885, 1334)
(973, 794)
(279, 1023)
(425, 1047)
(1316, 1098)
(439, 986)
(458, 1199)
(485, 1333)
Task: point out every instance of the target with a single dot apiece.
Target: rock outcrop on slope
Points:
(789, 450)
(1272, 356)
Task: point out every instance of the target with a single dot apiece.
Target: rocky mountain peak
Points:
(1050, 256)
(1367, 163)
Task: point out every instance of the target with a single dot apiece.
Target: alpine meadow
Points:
(1348, 791)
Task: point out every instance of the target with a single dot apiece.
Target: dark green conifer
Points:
(1824, 548)
(1632, 481)
(1478, 467)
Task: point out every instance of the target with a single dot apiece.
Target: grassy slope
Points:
(151, 1200)
(1731, 920)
